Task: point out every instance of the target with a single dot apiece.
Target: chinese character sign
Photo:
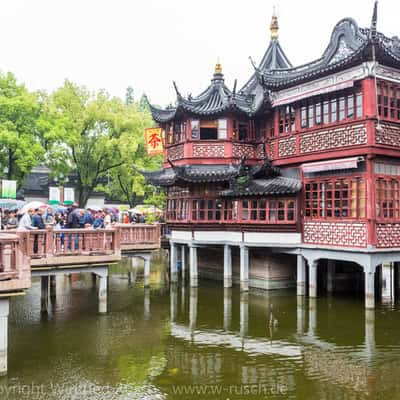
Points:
(154, 141)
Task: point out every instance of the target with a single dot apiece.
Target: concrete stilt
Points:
(102, 294)
(330, 276)
(147, 272)
(244, 268)
(173, 292)
(369, 289)
(312, 320)
(301, 311)
(227, 308)
(301, 275)
(53, 286)
(312, 286)
(193, 308)
(227, 266)
(244, 314)
(174, 262)
(146, 304)
(44, 295)
(183, 262)
(387, 282)
(4, 311)
(193, 266)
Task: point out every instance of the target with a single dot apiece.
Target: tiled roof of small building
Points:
(275, 186)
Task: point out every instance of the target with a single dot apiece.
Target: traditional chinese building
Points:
(301, 163)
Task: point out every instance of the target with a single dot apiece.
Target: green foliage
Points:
(20, 137)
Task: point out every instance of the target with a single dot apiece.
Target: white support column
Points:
(44, 295)
(102, 294)
(4, 311)
(146, 271)
(313, 278)
(227, 308)
(173, 299)
(174, 262)
(330, 276)
(227, 266)
(244, 314)
(369, 288)
(301, 275)
(193, 266)
(244, 268)
(193, 308)
(301, 300)
(183, 262)
(387, 282)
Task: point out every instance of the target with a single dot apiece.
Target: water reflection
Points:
(155, 340)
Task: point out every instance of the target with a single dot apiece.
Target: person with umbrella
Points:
(26, 221)
(12, 221)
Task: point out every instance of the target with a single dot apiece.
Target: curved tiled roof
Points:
(279, 185)
(349, 45)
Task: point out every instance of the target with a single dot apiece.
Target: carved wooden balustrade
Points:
(15, 272)
(140, 236)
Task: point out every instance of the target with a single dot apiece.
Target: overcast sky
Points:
(113, 44)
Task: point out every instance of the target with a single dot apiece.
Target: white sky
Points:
(113, 44)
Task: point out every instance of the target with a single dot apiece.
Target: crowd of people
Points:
(70, 218)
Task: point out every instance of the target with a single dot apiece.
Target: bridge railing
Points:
(14, 264)
(44, 243)
(136, 234)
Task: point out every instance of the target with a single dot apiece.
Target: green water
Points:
(182, 343)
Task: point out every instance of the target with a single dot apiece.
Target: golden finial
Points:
(218, 67)
(274, 27)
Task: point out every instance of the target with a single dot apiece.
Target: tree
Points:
(96, 127)
(21, 147)
(129, 97)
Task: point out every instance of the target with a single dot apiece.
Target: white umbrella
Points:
(32, 204)
(94, 208)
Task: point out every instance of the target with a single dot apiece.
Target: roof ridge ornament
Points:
(218, 67)
(274, 26)
(374, 20)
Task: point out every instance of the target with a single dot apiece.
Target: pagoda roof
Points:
(216, 99)
(279, 185)
(201, 173)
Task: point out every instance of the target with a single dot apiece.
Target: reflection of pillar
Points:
(244, 314)
(193, 308)
(4, 311)
(147, 271)
(183, 295)
(174, 262)
(146, 304)
(301, 275)
(227, 266)
(369, 288)
(227, 308)
(102, 294)
(301, 302)
(53, 286)
(387, 282)
(370, 332)
(312, 320)
(183, 262)
(173, 292)
(330, 276)
(193, 266)
(313, 279)
(44, 297)
(244, 268)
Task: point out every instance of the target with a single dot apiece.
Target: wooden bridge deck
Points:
(21, 251)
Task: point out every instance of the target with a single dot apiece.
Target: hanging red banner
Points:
(154, 141)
